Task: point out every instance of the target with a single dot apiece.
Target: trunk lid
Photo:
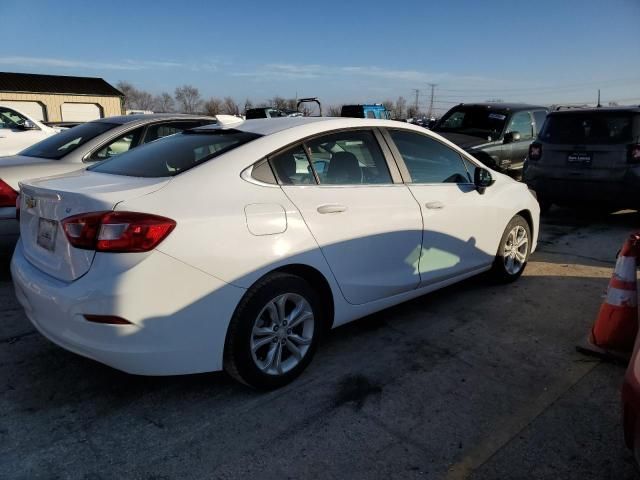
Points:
(44, 203)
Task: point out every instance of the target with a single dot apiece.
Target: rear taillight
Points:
(634, 153)
(7, 195)
(117, 231)
(535, 151)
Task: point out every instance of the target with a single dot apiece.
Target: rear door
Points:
(456, 239)
(367, 223)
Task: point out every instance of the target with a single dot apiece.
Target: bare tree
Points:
(188, 98)
(135, 99)
(129, 92)
(144, 100)
(163, 103)
(213, 106)
(230, 107)
(400, 108)
(292, 104)
(278, 102)
(388, 104)
(412, 111)
(334, 110)
(248, 104)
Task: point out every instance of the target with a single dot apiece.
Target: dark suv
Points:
(587, 156)
(497, 134)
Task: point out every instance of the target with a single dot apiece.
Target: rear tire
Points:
(274, 332)
(513, 251)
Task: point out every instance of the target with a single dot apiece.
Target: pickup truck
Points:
(19, 131)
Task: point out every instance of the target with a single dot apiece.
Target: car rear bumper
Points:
(179, 315)
(622, 193)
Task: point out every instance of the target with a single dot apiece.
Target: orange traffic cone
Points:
(614, 332)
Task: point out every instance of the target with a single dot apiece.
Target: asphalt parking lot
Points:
(477, 381)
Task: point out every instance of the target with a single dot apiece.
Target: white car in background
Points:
(19, 130)
(81, 146)
(236, 245)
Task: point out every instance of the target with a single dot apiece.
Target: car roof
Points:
(152, 117)
(268, 126)
(503, 106)
(629, 109)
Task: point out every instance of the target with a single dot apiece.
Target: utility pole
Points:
(599, 105)
(433, 87)
(417, 90)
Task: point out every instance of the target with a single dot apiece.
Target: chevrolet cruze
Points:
(235, 246)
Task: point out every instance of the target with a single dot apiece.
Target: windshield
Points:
(10, 119)
(594, 128)
(175, 154)
(65, 142)
(474, 121)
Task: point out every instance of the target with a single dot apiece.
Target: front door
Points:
(516, 151)
(368, 228)
(454, 240)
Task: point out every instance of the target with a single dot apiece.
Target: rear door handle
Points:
(434, 205)
(333, 208)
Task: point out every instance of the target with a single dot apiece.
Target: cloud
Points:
(68, 63)
(285, 71)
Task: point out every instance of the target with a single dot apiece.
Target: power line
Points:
(569, 86)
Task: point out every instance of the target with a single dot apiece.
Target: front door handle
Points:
(434, 205)
(332, 208)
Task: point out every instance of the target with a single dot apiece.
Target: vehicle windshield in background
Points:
(60, 144)
(175, 154)
(593, 128)
(476, 121)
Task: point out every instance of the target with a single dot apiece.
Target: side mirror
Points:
(482, 179)
(511, 137)
(28, 125)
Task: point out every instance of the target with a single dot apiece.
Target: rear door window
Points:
(175, 154)
(122, 144)
(349, 158)
(292, 166)
(594, 128)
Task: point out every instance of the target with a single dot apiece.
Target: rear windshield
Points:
(594, 128)
(175, 154)
(353, 111)
(65, 142)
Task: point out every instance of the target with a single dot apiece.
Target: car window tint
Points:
(428, 160)
(539, 116)
(292, 167)
(521, 123)
(589, 127)
(161, 130)
(262, 172)
(349, 158)
(173, 155)
(122, 144)
(63, 143)
(10, 118)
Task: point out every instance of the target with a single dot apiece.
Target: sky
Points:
(547, 51)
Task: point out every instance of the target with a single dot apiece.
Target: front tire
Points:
(513, 251)
(274, 332)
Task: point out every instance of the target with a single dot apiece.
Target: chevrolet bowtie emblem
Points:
(30, 202)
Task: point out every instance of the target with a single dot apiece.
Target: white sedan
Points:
(235, 246)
